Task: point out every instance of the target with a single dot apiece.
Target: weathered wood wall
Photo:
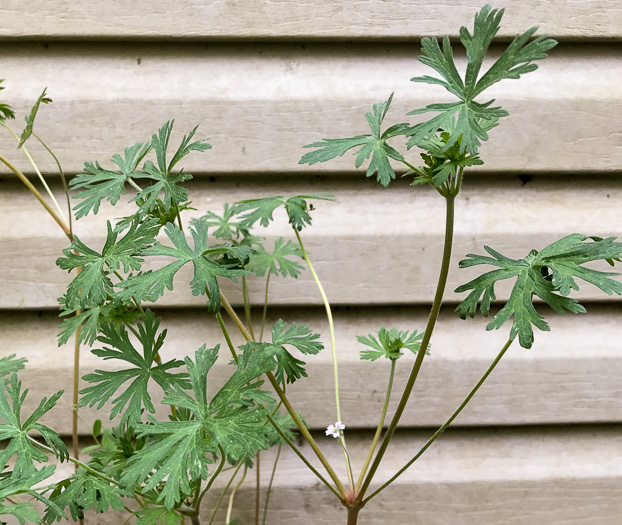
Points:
(540, 443)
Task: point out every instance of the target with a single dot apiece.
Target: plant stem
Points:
(197, 504)
(76, 386)
(224, 492)
(62, 177)
(436, 307)
(225, 332)
(257, 487)
(448, 422)
(265, 508)
(230, 507)
(265, 307)
(36, 168)
(331, 327)
(385, 407)
(247, 305)
(353, 513)
(38, 195)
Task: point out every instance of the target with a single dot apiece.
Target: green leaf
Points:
(473, 118)
(30, 119)
(5, 110)
(135, 396)
(181, 450)
(277, 263)
(84, 491)
(93, 286)
(11, 486)
(151, 285)
(158, 516)
(375, 145)
(289, 368)
(11, 402)
(226, 227)
(10, 364)
(389, 343)
(549, 274)
(262, 209)
(99, 183)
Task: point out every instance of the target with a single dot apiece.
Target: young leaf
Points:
(99, 183)
(374, 145)
(10, 364)
(92, 286)
(472, 117)
(30, 119)
(277, 263)
(549, 274)
(389, 343)
(262, 209)
(151, 285)
(289, 369)
(226, 227)
(17, 432)
(135, 395)
(5, 110)
(81, 492)
(181, 449)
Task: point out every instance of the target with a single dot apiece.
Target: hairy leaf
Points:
(11, 486)
(135, 397)
(11, 401)
(151, 285)
(374, 144)
(549, 274)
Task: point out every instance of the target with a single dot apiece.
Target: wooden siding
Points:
(540, 442)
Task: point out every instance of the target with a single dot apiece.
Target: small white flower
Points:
(335, 430)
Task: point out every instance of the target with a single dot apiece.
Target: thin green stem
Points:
(230, 507)
(448, 422)
(436, 307)
(181, 226)
(223, 455)
(265, 508)
(374, 443)
(76, 387)
(62, 177)
(36, 168)
(224, 492)
(265, 307)
(257, 486)
(225, 332)
(134, 185)
(247, 305)
(38, 195)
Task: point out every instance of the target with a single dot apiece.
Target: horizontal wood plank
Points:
(373, 246)
(492, 476)
(560, 380)
(320, 19)
(260, 105)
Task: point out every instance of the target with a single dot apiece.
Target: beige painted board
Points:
(571, 375)
(374, 246)
(259, 105)
(368, 19)
(552, 476)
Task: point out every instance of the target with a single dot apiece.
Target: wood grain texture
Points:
(373, 246)
(493, 476)
(562, 379)
(259, 105)
(299, 19)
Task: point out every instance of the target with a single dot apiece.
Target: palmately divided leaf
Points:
(226, 227)
(151, 285)
(182, 449)
(262, 209)
(289, 368)
(278, 262)
(5, 110)
(135, 397)
(10, 364)
(389, 343)
(549, 274)
(30, 118)
(158, 516)
(375, 145)
(11, 401)
(12, 486)
(474, 118)
(92, 286)
(98, 183)
(82, 492)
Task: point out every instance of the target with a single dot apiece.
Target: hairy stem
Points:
(385, 407)
(448, 422)
(436, 307)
